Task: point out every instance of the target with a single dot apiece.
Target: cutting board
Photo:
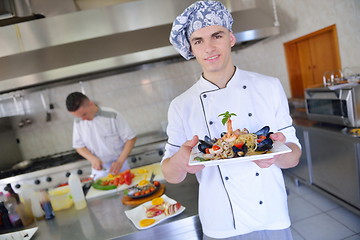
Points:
(140, 174)
(126, 200)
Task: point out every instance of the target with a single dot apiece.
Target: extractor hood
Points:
(124, 36)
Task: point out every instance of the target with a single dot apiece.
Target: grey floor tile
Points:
(296, 235)
(355, 237)
(347, 218)
(316, 217)
(301, 189)
(322, 227)
(300, 209)
(320, 201)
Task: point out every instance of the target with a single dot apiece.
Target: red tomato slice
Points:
(116, 181)
(239, 145)
(121, 180)
(215, 147)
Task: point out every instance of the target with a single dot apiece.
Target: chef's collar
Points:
(208, 85)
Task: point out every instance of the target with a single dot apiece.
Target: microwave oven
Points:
(338, 104)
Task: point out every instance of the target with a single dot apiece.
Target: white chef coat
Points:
(236, 198)
(104, 136)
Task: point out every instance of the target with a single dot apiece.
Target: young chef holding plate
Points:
(239, 200)
(101, 135)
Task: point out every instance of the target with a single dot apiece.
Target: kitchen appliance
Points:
(45, 172)
(53, 170)
(146, 154)
(336, 104)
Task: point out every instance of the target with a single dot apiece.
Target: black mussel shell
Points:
(223, 134)
(240, 152)
(203, 145)
(265, 145)
(263, 132)
(209, 140)
(268, 135)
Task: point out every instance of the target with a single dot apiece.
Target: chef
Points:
(101, 135)
(239, 200)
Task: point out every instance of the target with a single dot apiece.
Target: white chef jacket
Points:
(238, 198)
(104, 136)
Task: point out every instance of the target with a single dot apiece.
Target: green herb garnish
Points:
(226, 116)
(200, 159)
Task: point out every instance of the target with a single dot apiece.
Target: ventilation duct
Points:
(119, 37)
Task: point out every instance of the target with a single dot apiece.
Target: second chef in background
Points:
(101, 135)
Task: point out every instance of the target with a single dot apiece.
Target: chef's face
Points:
(86, 111)
(212, 48)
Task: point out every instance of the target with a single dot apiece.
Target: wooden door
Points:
(309, 57)
(306, 64)
(324, 51)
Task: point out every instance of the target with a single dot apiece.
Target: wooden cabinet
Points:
(309, 57)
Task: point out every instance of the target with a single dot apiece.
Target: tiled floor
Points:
(315, 217)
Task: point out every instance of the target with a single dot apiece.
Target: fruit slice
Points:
(157, 201)
(146, 222)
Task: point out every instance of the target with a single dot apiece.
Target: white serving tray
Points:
(138, 213)
(278, 148)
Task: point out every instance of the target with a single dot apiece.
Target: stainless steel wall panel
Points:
(125, 35)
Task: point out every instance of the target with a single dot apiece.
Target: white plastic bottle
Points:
(36, 208)
(77, 192)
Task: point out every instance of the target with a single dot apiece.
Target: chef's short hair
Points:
(75, 100)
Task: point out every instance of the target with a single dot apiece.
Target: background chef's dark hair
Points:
(75, 100)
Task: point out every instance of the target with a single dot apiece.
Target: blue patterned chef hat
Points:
(198, 15)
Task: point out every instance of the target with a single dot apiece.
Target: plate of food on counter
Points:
(236, 146)
(111, 181)
(143, 189)
(354, 132)
(153, 212)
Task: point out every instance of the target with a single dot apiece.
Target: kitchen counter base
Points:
(187, 228)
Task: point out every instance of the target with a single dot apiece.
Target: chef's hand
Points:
(176, 168)
(96, 164)
(183, 156)
(115, 167)
(265, 163)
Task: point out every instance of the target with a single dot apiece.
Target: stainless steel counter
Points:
(105, 219)
(329, 163)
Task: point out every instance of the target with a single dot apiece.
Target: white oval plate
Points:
(138, 213)
(278, 148)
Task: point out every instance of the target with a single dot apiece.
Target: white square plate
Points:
(19, 235)
(278, 148)
(138, 213)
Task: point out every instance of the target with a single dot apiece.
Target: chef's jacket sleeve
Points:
(77, 141)
(283, 116)
(123, 128)
(175, 131)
